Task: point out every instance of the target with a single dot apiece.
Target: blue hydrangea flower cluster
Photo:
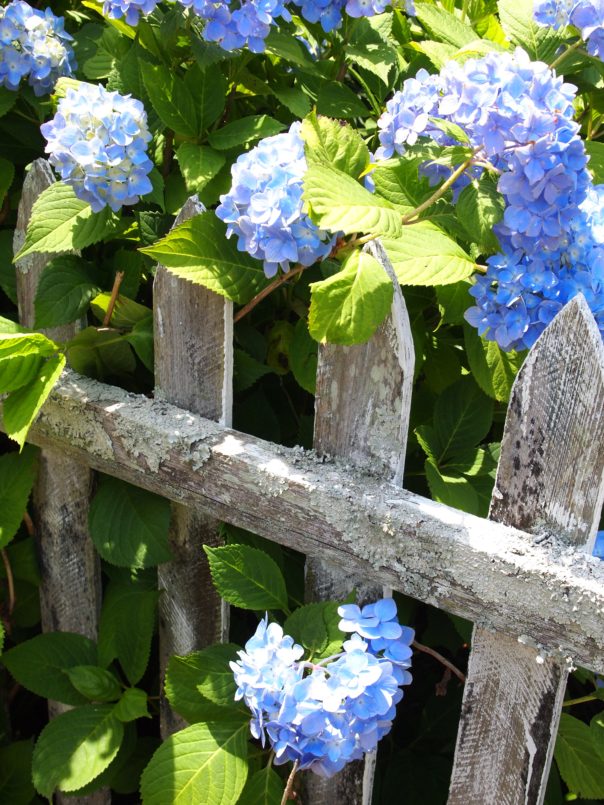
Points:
(130, 10)
(325, 715)
(518, 115)
(97, 143)
(239, 23)
(33, 45)
(330, 12)
(586, 15)
(264, 205)
(599, 552)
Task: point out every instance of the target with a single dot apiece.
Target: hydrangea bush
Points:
(467, 138)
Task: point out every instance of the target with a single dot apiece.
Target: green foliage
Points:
(128, 525)
(578, 757)
(16, 786)
(315, 627)
(265, 787)
(17, 475)
(66, 287)
(247, 577)
(424, 255)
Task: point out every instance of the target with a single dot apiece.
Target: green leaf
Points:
(451, 488)
(462, 418)
(66, 287)
(21, 358)
(171, 98)
(581, 767)
(424, 255)
(126, 312)
(247, 370)
(443, 25)
(198, 250)
(204, 763)
(132, 705)
(247, 577)
(452, 130)
(141, 338)
(76, 747)
(303, 357)
(127, 623)
(338, 203)
(16, 787)
(329, 142)
(100, 353)
(245, 131)
(22, 406)
(348, 307)
(209, 89)
(198, 165)
(595, 151)
(7, 100)
(295, 100)
(38, 664)
(265, 787)
(479, 207)
(128, 525)
(17, 475)
(494, 370)
(541, 42)
(201, 686)
(60, 222)
(337, 100)
(453, 301)
(315, 626)
(7, 174)
(94, 683)
(398, 181)
(596, 727)
(8, 275)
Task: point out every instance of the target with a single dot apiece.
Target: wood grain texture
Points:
(362, 406)
(550, 479)
(70, 585)
(490, 573)
(193, 369)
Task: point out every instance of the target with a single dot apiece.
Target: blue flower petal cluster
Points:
(599, 552)
(33, 45)
(238, 23)
(325, 715)
(130, 10)
(97, 143)
(264, 205)
(330, 12)
(586, 15)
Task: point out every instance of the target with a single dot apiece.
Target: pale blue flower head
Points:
(97, 142)
(129, 10)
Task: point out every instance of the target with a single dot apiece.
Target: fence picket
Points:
(550, 480)
(193, 369)
(70, 585)
(362, 406)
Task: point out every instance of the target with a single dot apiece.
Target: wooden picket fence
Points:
(524, 576)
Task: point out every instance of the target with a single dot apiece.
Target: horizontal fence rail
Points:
(495, 575)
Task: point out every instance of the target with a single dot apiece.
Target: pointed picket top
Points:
(550, 482)
(545, 483)
(362, 408)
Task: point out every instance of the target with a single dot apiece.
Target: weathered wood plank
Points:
(70, 586)
(550, 479)
(362, 407)
(193, 369)
(484, 571)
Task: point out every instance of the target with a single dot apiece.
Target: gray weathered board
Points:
(550, 480)
(193, 334)
(362, 406)
(70, 578)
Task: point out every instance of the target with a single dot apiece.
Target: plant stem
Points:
(10, 582)
(570, 49)
(266, 291)
(580, 700)
(290, 784)
(407, 219)
(443, 660)
(119, 276)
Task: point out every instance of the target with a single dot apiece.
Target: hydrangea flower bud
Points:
(33, 45)
(97, 143)
(325, 715)
(264, 205)
(130, 10)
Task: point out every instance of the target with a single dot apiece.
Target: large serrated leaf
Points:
(244, 131)
(129, 526)
(494, 370)
(348, 307)
(329, 142)
(198, 250)
(315, 626)
(61, 222)
(580, 765)
(247, 577)
(66, 286)
(171, 99)
(17, 475)
(38, 664)
(444, 26)
(338, 203)
(424, 255)
(198, 165)
(479, 207)
(76, 747)
(204, 763)
(265, 787)
(540, 41)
